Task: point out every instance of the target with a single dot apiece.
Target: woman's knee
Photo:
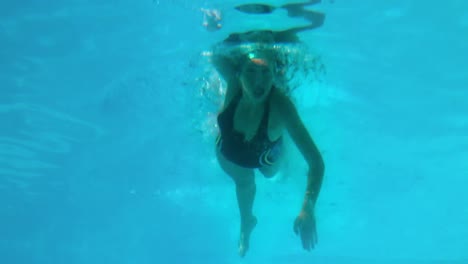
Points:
(268, 172)
(272, 170)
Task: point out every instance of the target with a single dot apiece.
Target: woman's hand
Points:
(305, 227)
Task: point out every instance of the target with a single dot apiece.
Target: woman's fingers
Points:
(307, 231)
(297, 226)
(305, 237)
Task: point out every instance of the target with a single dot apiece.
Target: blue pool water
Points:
(106, 145)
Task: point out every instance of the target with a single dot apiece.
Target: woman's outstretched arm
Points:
(305, 222)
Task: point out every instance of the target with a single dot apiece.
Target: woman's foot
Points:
(245, 236)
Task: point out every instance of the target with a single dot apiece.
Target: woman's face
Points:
(256, 79)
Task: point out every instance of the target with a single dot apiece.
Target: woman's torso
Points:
(246, 135)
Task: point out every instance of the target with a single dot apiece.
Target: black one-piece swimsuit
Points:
(256, 153)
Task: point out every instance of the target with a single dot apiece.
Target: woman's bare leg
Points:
(272, 170)
(245, 192)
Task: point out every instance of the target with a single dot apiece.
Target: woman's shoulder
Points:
(279, 97)
(232, 90)
(281, 102)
